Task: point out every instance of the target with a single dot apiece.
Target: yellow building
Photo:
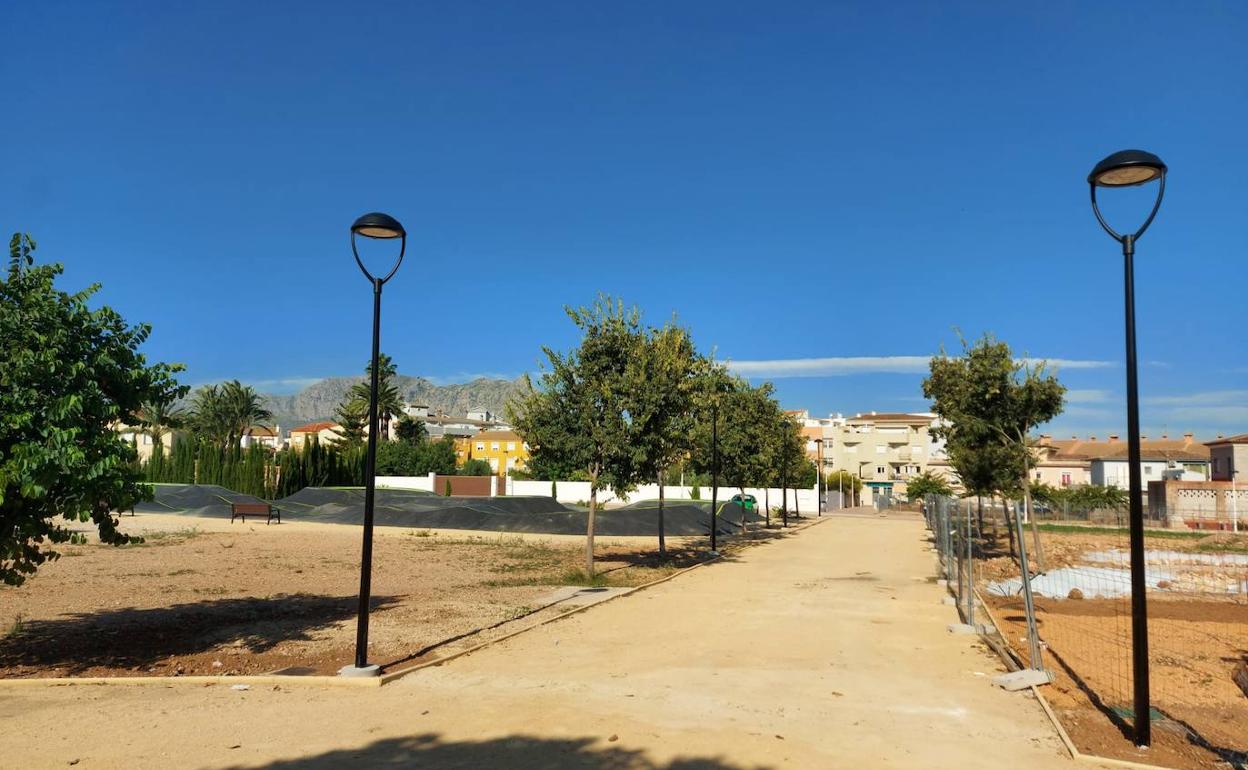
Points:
(502, 449)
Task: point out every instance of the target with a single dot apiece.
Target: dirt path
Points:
(826, 649)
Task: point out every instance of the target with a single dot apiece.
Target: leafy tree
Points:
(661, 385)
(398, 458)
(436, 457)
(389, 402)
(68, 374)
(927, 483)
(410, 430)
(352, 419)
(989, 404)
(222, 414)
(159, 418)
(749, 420)
(844, 482)
(577, 416)
(476, 467)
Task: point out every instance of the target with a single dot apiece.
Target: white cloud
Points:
(1224, 398)
(1088, 397)
(849, 365)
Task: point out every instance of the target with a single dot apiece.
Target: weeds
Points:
(19, 626)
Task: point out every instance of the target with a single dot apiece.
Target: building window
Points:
(480, 446)
(879, 470)
(511, 447)
(1065, 479)
(1148, 469)
(493, 446)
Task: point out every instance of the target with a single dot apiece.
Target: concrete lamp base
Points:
(967, 629)
(371, 669)
(1021, 680)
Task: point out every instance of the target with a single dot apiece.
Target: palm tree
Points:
(159, 418)
(224, 414)
(389, 402)
(244, 409)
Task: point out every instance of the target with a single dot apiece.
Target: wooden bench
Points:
(243, 510)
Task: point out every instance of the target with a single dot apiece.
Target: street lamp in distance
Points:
(1130, 168)
(382, 227)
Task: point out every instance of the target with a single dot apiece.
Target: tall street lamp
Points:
(714, 471)
(383, 227)
(1129, 168)
(819, 478)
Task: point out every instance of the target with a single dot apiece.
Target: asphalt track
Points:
(411, 508)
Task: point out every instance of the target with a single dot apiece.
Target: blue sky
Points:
(824, 190)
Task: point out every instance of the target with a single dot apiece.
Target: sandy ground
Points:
(825, 649)
(203, 596)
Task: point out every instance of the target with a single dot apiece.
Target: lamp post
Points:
(1129, 168)
(819, 478)
(714, 472)
(383, 227)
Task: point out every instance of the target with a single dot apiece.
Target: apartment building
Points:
(884, 449)
(504, 450)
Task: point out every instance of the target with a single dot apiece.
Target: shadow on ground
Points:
(132, 637)
(520, 752)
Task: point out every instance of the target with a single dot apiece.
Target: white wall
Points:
(405, 482)
(577, 491)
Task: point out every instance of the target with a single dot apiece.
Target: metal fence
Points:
(1077, 622)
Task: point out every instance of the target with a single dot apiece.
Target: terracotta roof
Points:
(892, 417)
(496, 435)
(1160, 449)
(1240, 439)
(315, 427)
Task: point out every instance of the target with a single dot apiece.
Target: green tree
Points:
(223, 414)
(68, 375)
(577, 416)
(389, 402)
(989, 403)
(927, 483)
(844, 482)
(436, 457)
(352, 419)
(410, 430)
(159, 418)
(476, 467)
(660, 385)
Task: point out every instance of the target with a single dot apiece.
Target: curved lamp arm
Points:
(1161, 190)
(397, 262)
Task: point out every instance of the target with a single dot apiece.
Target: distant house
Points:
(504, 450)
(324, 432)
(1229, 457)
(262, 435)
(142, 441)
(1104, 463)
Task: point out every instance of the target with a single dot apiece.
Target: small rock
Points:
(1075, 593)
(1163, 584)
(779, 737)
(74, 761)
(240, 687)
(613, 738)
(237, 746)
(217, 664)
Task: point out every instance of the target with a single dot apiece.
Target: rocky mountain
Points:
(319, 400)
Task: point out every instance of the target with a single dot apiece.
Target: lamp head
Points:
(378, 225)
(1127, 168)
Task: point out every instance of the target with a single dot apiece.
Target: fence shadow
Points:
(133, 637)
(517, 752)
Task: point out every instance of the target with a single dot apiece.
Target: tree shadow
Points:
(516, 752)
(133, 637)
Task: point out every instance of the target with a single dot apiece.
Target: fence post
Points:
(1033, 638)
(970, 568)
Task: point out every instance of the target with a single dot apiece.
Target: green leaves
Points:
(988, 402)
(67, 375)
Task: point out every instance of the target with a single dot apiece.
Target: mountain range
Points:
(319, 400)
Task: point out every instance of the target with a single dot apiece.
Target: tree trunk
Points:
(1035, 529)
(589, 526)
(1009, 530)
(662, 542)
